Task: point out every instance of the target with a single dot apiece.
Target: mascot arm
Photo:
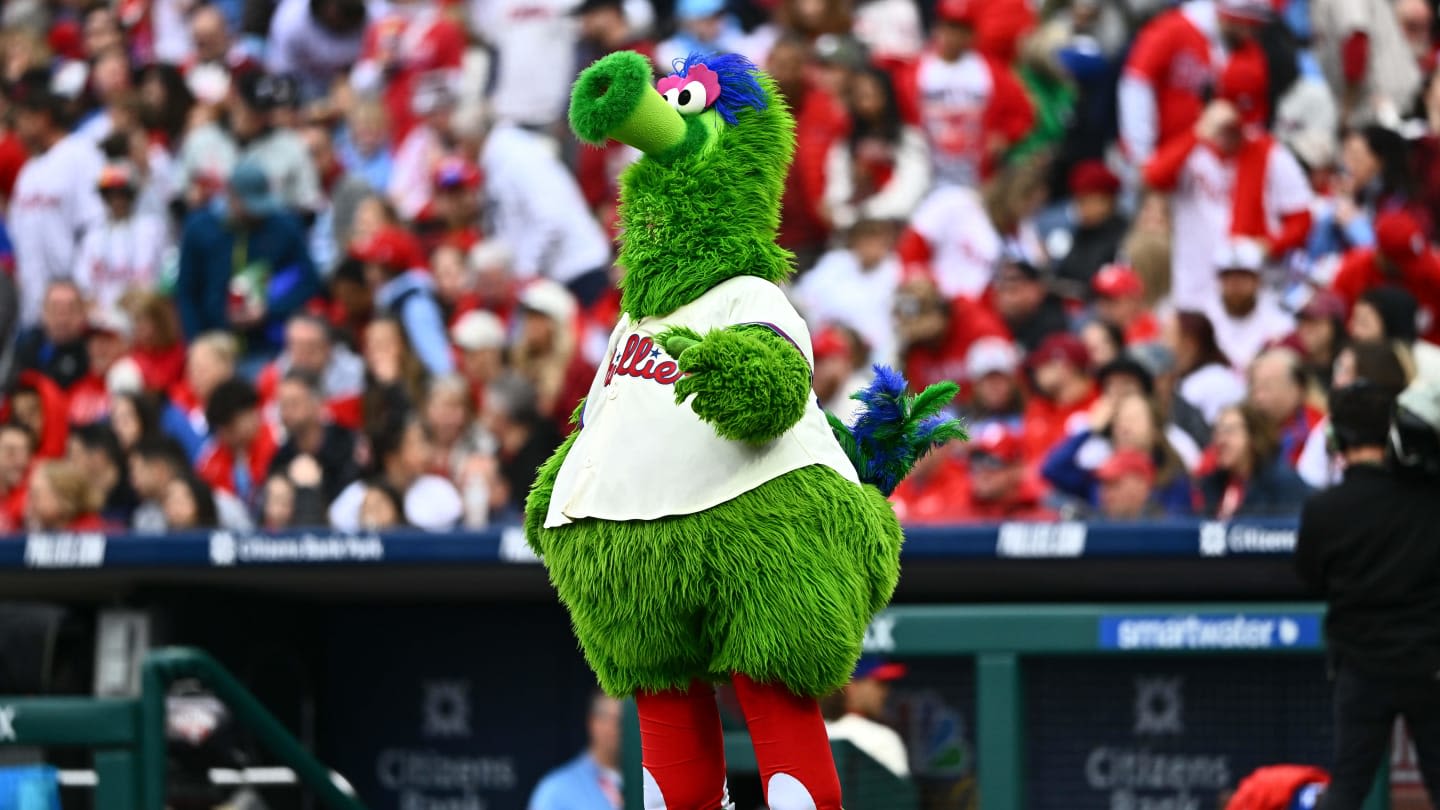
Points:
(748, 381)
(537, 503)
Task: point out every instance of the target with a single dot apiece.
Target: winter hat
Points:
(395, 249)
(1092, 177)
(478, 330)
(959, 12)
(1398, 237)
(1397, 310)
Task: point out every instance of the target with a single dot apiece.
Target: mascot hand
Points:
(750, 383)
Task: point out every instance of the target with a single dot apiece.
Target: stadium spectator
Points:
(277, 150)
(1126, 488)
(819, 124)
(61, 498)
(310, 434)
(856, 717)
(95, 451)
(156, 345)
(315, 41)
(246, 270)
(56, 346)
(1120, 301)
(1022, 298)
(1064, 394)
(1129, 423)
(452, 214)
(1388, 314)
(590, 781)
(409, 41)
(1401, 257)
(855, 287)
(1246, 317)
(310, 349)
(134, 416)
(961, 259)
(705, 27)
(124, 251)
(189, 504)
(17, 449)
(973, 107)
(1103, 342)
(393, 374)
(479, 337)
(1251, 476)
(1231, 181)
(1097, 227)
(1208, 380)
(107, 344)
(997, 397)
(1279, 389)
(881, 171)
(999, 486)
(929, 494)
(842, 367)
(382, 508)
(395, 269)
(547, 354)
(402, 455)
(55, 200)
(428, 142)
(1364, 56)
(236, 457)
(38, 403)
(209, 362)
(1320, 334)
(935, 334)
(463, 452)
(1375, 363)
(524, 440)
(1377, 177)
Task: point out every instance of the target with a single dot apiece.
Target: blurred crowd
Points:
(339, 263)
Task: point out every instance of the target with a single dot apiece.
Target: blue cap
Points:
(250, 185)
(873, 666)
(698, 9)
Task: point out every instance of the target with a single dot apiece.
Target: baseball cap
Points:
(1252, 11)
(1093, 177)
(960, 12)
(1398, 236)
(477, 330)
(550, 299)
(1239, 255)
(1323, 305)
(1126, 462)
(110, 321)
(264, 91)
(873, 666)
(1061, 346)
(830, 343)
(996, 442)
(1117, 281)
(991, 355)
(1127, 366)
(393, 248)
(249, 183)
(117, 176)
(456, 172)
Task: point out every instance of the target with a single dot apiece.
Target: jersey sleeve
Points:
(1288, 191)
(754, 301)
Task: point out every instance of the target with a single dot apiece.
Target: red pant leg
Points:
(792, 747)
(684, 749)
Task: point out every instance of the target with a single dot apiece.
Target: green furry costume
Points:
(780, 582)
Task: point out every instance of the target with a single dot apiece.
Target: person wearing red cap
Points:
(841, 369)
(972, 107)
(1098, 228)
(935, 334)
(854, 713)
(950, 238)
(395, 269)
(1064, 391)
(990, 483)
(1169, 72)
(452, 216)
(1230, 179)
(1127, 485)
(1120, 302)
(1403, 257)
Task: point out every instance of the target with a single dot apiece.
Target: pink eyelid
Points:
(699, 73)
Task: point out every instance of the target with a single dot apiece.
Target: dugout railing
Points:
(127, 736)
(1000, 640)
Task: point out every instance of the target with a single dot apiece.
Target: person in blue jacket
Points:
(1128, 422)
(244, 266)
(395, 268)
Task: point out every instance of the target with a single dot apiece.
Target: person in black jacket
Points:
(1025, 303)
(1369, 545)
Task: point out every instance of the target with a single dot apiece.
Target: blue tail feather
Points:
(895, 429)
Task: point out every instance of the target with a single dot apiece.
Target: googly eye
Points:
(672, 97)
(690, 99)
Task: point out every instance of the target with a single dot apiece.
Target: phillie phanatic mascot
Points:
(707, 521)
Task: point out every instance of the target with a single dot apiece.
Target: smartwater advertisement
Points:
(453, 708)
(1168, 732)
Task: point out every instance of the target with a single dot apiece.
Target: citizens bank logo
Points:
(1212, 539)
(1159, 706)
(222, 548)
(445, 711)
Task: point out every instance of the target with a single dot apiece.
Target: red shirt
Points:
(946, 497)
(1420, 276)
(1046, 423)
(926, 365)
(217, 462)
(89, 400)
(1143, 329)
(1173, 57)
(411, 45)
(160, 368)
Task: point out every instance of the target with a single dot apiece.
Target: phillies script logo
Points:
(639, 360)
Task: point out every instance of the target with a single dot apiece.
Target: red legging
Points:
(684, 752)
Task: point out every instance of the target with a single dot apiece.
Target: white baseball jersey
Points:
(953, 98)
(1202, 206)
(964, 245)
(55, 201)
(115, 256)
(641, 456)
